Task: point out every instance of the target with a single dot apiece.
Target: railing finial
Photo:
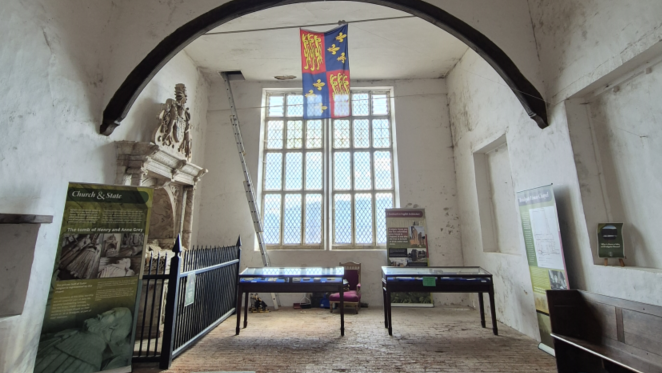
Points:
(178, 245)
(239, 241)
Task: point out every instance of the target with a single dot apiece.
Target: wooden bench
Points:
(596, 334)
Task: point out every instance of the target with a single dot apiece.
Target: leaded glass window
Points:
(326, 183)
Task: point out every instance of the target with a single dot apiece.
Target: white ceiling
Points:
(388, 49)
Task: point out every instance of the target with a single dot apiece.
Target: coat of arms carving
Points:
(174, 131)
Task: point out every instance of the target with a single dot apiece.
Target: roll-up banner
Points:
(89, 320)
(544, 251)
(407, 245)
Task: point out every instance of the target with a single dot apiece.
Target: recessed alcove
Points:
(616, 137)
(496, 197)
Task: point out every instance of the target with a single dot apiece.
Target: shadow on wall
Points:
(145, 114)
(569, 239)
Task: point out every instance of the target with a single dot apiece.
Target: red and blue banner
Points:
(325, 73)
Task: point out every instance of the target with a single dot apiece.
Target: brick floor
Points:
(424, 340)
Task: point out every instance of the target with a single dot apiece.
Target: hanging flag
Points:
(325, 73)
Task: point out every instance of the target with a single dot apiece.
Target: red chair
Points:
(352, 293)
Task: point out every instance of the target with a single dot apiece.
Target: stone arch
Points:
(121, 102)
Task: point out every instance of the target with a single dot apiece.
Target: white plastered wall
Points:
(54, 57)
(579, 42)
(425, 167)
(593, 44)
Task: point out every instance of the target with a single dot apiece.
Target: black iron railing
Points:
(201, 288)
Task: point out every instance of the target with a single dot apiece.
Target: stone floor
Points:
(424, 340)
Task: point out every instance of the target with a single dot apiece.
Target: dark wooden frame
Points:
(441, 286)
(244, 288)
(595, 333)
(122, 100)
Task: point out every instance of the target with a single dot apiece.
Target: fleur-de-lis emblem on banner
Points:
(341, 37)
(333, 49)
(342, 58)
(319, 84)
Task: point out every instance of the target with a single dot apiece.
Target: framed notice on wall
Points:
(544, 251)
(407, 245)
(610, 240)
(88, 324)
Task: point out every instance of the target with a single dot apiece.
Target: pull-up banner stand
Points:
(542, 239)
(407, 245)
(90, 314)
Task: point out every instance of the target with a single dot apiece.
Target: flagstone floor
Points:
(424, 340)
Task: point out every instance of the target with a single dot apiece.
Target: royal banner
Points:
(325, 73)
(89, 319)
(407, 245)
(542, 239)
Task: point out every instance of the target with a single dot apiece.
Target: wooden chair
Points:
(353, 294)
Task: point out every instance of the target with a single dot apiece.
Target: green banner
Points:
(610, 240)
(544, 252)
(88, 324)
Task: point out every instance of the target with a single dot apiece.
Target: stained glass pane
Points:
(273, 175)
(294, 134)
(342, 218)
(293, 169)
(363, 212)
(313, 171)
(361, 133)
(342, 176)
(381, 133)
(314, 134)
(292, 219)
(380, 104)
(360, 104)
(383, 170)
(313, 218)
(272, 219)
(275, 105)
(275, 134)
(341, 134)
(362, 175)
(294, 105)
(382, 201)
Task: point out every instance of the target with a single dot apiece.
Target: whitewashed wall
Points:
(54, 57)
(584, 44)
(579, 43)
(426, 174)
(482, 109)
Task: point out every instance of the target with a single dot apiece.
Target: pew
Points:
(596, 334)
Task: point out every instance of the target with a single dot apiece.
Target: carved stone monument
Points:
(164, 164)
(175, 127)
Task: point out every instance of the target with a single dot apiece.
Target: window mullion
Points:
(303, 181)
(329, 222)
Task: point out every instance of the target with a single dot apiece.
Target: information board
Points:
(544, 251)
(88, 324)
(407, 245)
